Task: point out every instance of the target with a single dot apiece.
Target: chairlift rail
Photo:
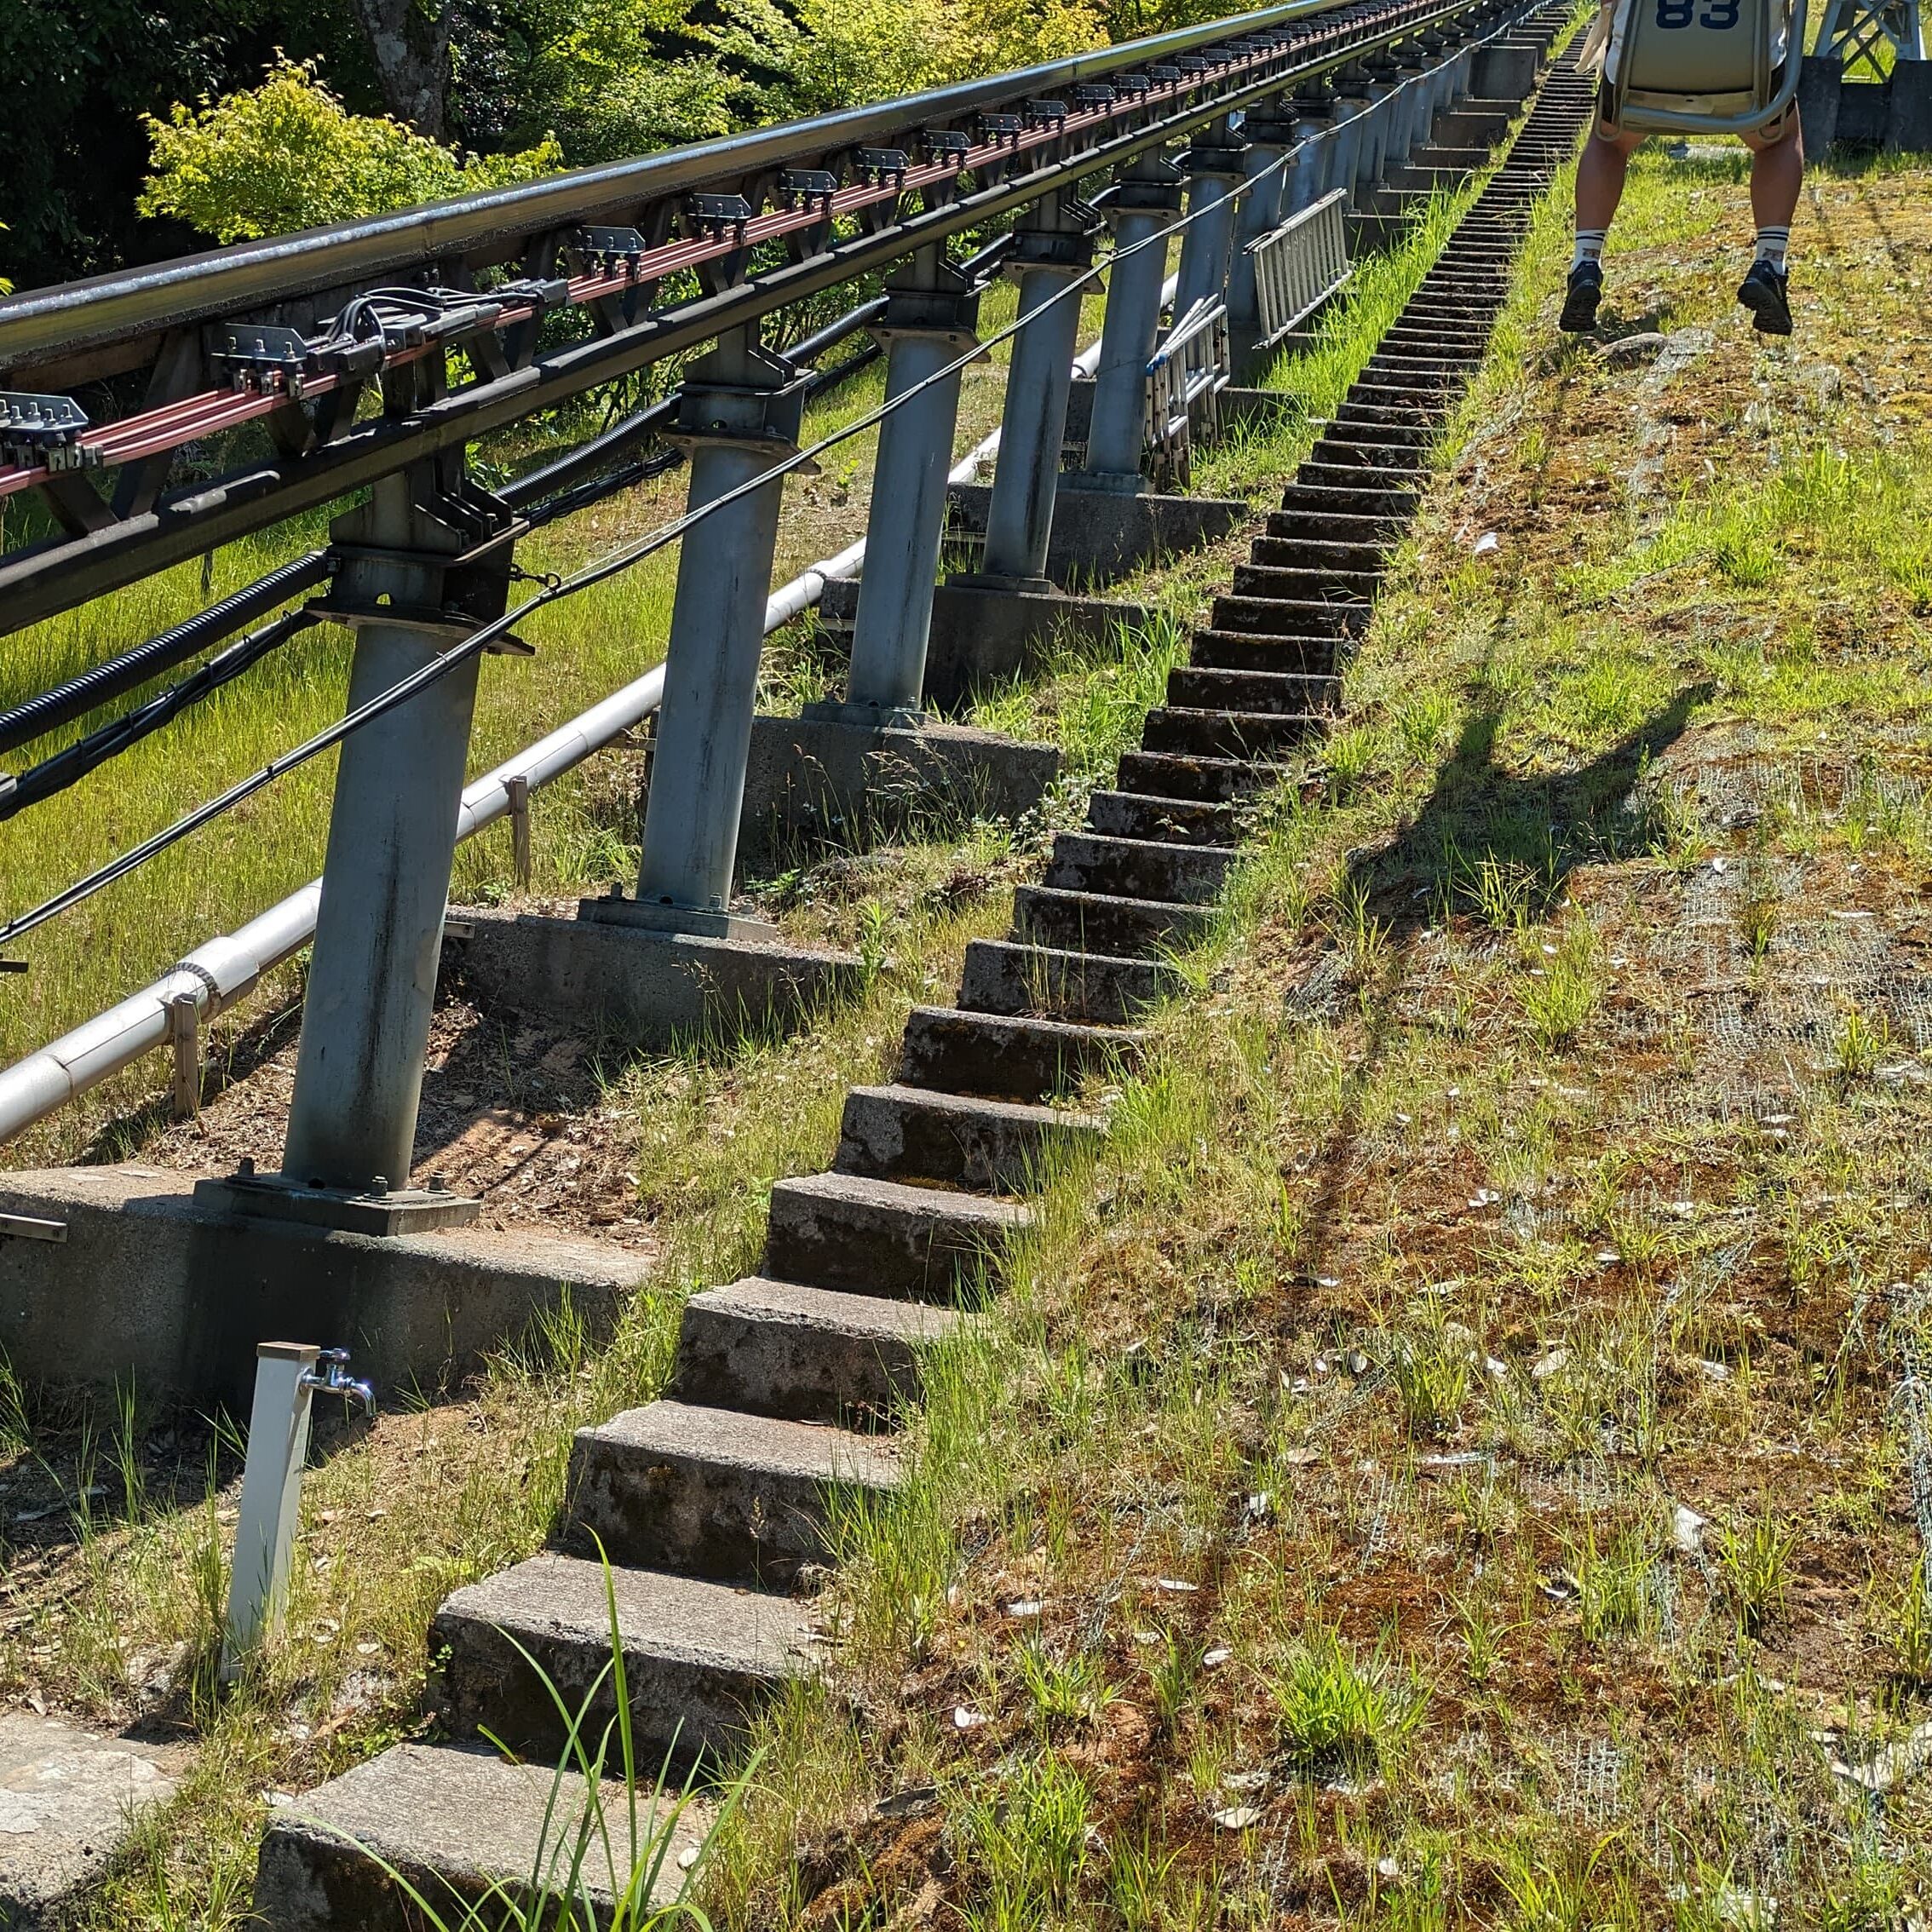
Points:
(293, 334)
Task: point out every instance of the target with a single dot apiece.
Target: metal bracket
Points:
(31, 1227)
(946, 146)
(806, 187)
(886, 166)
(35, 429)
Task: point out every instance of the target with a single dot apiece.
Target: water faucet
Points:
(336, 1379)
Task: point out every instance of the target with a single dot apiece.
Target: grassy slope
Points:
(1452, 1462)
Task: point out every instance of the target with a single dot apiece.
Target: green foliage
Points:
(288, 155)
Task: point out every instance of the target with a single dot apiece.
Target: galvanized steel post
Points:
(1213, 167)
(1146, 200)
(371, 984)
(1053, 246)
(1272, 134)
(931, 319)
(1315, 111)
(1345, 133)
(740, 416)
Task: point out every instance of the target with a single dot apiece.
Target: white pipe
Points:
(227, 969)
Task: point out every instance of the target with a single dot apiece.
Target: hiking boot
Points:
(1579, 303)
(1766, 292)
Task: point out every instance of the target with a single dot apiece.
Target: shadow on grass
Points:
(1483, 826)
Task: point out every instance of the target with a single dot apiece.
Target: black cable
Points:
(93, 689)
(68, 766)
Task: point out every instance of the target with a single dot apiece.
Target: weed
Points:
(1755, 1559)
(1340, 1712)
(1860, 1045)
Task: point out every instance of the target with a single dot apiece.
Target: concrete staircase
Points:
(712, 1503)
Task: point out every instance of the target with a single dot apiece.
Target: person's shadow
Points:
(1483, 828)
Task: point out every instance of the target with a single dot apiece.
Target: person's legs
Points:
(1777, 174)
(1600, 187)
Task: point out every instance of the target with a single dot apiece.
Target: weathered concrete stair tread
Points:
(1230, 734)
(1136, 814)
(461, 1825)
(1172, 775)
(880, 1237)
(964, 1140)
(715, 1493)
(698, 1656)
(1106, 923)
(1008, 1056)
(1204, 688)
(806, 1353)
(1003, 977)
(1138, 868)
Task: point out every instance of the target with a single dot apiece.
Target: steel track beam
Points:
(64, 572)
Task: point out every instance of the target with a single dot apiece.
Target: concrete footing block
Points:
(649, 989)
(987, 629)
(1100, 535)
(1895, 114)
(68, 1799)
(149, 1285)
(984, 632)
(815, 782)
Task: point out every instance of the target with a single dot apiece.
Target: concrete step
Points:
(807, 1354)
(1219, 779)
(1138, 868)
(699, 1658)
(1377, 534)
(467, 1829)
(1340, 453)
(1215, 688)
(1351, 473)
(713, 1493)
(1344, 428)
(958, 1140)
(1381, 501)
(1240, 650)
(1314, 584)
(1008, 1055)
(1003, 977)
(1131, 814)
(1289, 616)
(1092, 922)
(1231, 734)
(1331, 559)
(884, 1238)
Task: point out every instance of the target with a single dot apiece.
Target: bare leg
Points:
(1600, 176)
(1777, 174)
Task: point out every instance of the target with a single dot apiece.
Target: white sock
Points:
(1771, 245)
(1589, 247)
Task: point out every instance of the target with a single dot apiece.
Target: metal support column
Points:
(1315, 115)
(424, 561)
(1053, 245)
(930, 321)
(1145, 200)
(1404, 107)
(1213, 167)
(1372, 149)
(1272, 134)
(740, 416)
(1345, 139)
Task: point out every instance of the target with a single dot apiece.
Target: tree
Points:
(409, 41)
(288, 155)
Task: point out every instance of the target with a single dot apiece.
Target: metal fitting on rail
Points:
(44, 429)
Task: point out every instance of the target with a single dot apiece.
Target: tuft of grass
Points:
(1341, 1713)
